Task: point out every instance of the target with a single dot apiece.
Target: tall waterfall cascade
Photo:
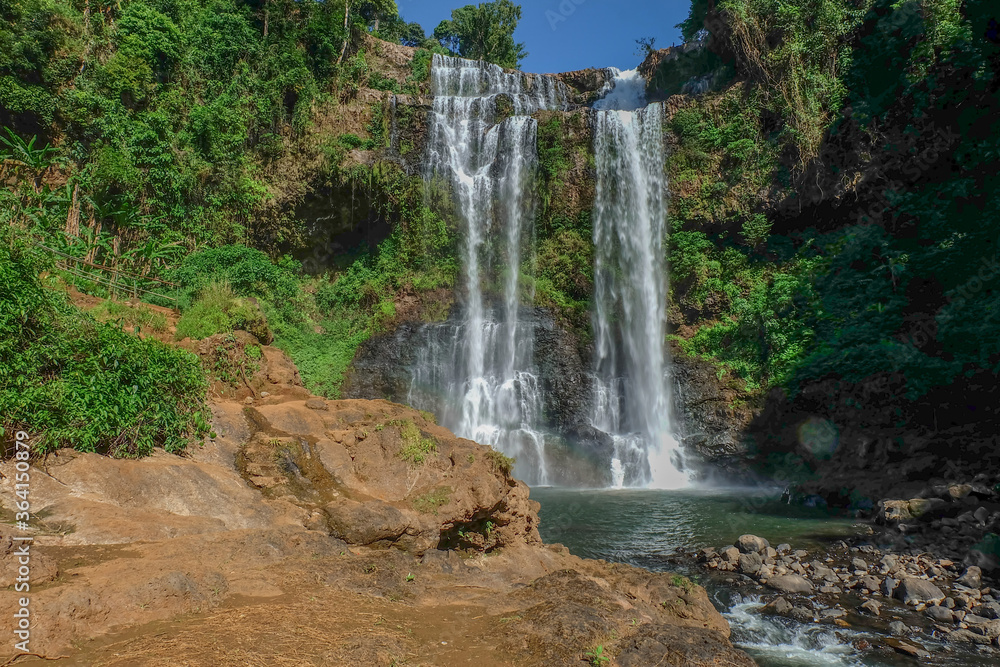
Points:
(476, 372)
(632, 386)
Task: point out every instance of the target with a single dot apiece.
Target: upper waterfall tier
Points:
(460, 78)
(627, 91)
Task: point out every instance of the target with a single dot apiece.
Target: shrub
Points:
(218, 310)
(69, 380)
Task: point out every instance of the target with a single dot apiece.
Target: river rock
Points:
(859, 564)
(872, 607)
(940, 614)
(834, 612)
(892, 511)
(779, 605)
(926, 508)
(907, 648)
(959, 491)
(783, 548)
(888, 586)
(751, 544)
(802, 615)
(750, 564)
(874, 584)
(731, 555)
(913, 590)
(967, 636)
(790, 583)
(898, 628)
(971, 578)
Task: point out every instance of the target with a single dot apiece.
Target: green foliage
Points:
(73, 382)
(138, 317)
(500, 463)
(247, 272)
(597, 657)
(430, 502)
(416, 448)
(216, 310)
(484, 32)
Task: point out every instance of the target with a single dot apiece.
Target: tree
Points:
(484, 32)
(412, 34)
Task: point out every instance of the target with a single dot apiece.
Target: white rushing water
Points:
(477, 374)
(632, 398)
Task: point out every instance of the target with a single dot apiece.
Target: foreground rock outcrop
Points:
(318, 532)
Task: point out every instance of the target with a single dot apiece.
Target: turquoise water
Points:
(643, 527)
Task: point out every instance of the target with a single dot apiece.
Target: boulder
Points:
(873, 584)
(790, 583)
(912, 590)
(926, 508)
(731, 555)
(751, 544)
(940, 614)
(898, 628)
(859, 564)
(892, 511)
(872, 607)
(971, 578)
(779, 606)
(888, 586)
(750, 564)
(802, 615)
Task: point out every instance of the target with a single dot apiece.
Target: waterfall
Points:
(631, 395)
(476, 370)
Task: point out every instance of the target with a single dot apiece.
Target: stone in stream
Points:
(751, 544)
(971, 578)
(909, 648)
(859, 564)
(750, 563)
(888, 586)
(967, 636)
(898, 628)
(830, 590)
(790, 583)
(783, 548)
(874, 584)
(779, 605)
(731, 555)
(940, 614)
(981, 515)
(872, 607)
(834, 612)
(912, 590)
(802, 615)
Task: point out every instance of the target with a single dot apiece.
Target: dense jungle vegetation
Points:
(834, 209)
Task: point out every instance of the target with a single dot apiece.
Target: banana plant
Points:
(24, 153)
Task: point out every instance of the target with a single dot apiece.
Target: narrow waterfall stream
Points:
(476, 370)
(632, 400)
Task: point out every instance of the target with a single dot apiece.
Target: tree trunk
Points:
(73, 217)
(347, 32)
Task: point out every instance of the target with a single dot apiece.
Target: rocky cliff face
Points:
(360, 528)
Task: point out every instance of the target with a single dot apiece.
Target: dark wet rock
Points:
(802, 615)
(971, 578)
(966, 636)
(790, 583)
(872, 607)
(750, 564)
(910, 648)
(751, 544)
(940, 614)
(779, 606)
(913, 590)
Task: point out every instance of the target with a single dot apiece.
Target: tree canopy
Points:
(484, 32)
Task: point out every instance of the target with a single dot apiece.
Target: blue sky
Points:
(565, 35)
